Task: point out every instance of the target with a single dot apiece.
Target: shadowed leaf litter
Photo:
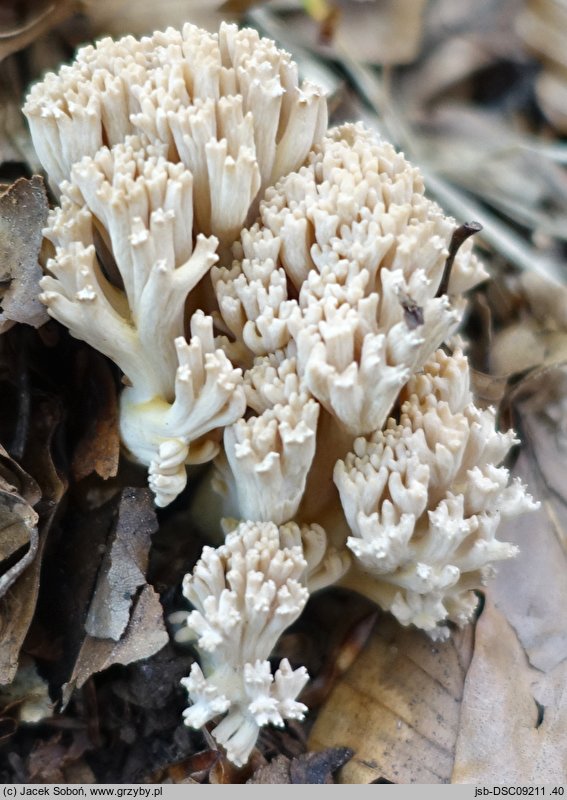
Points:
(90, 572)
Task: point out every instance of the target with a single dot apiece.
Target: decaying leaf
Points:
(124, 618)
(18, 605)
(306, 768)
(23, 213)
(123, 570)
(18, 521)
(145, 634)
(502, 737)
(397, 707)
(56, 760)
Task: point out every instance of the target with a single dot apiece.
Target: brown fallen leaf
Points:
(17, 607)
(306, 768)
(51, 760)
(115, 552)
(144, 636)
(123, 570)
(18, 538)
(23, 213)
(18, 521)
(277, 771)
(397, 707)
(502, 737)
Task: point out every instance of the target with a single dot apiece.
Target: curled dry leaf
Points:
(18, 520)
(23, 213)
(18, 605)
(407, 690)
(124, 616)
(123, 570)
(23, 22)
(502, 735)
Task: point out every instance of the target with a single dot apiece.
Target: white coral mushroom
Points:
(424, 498)
(245, 594)
(177, 391)
(332, 294)
(364, 252)
(160, 149)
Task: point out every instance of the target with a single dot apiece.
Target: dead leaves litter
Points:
(397, 707)
(501, 734)
(18, 521)
(123, 617)
(23, 213)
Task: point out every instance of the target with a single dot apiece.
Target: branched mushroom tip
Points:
(245, 593)
(424, 497)
(275, 294)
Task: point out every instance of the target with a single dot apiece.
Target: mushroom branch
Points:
(178, 391)
(423, 499)
(283, 299)
(160, 149)
(245, 594)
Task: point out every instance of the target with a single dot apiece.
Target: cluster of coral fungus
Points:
(275, 294)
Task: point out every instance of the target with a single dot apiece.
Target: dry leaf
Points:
(502, 737)
(18, 537)
(18, 521)
(378, 31)
(98, 449)
(277, 771)
(123, 570)
(17, 607)
(116, 17)
(23, 22)
(397, 707)
(23, 213)
(536, 612)
(144, 636)
(306, 768)
(112, 605)
(50, 761)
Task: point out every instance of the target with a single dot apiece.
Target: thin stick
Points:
(460, 235)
